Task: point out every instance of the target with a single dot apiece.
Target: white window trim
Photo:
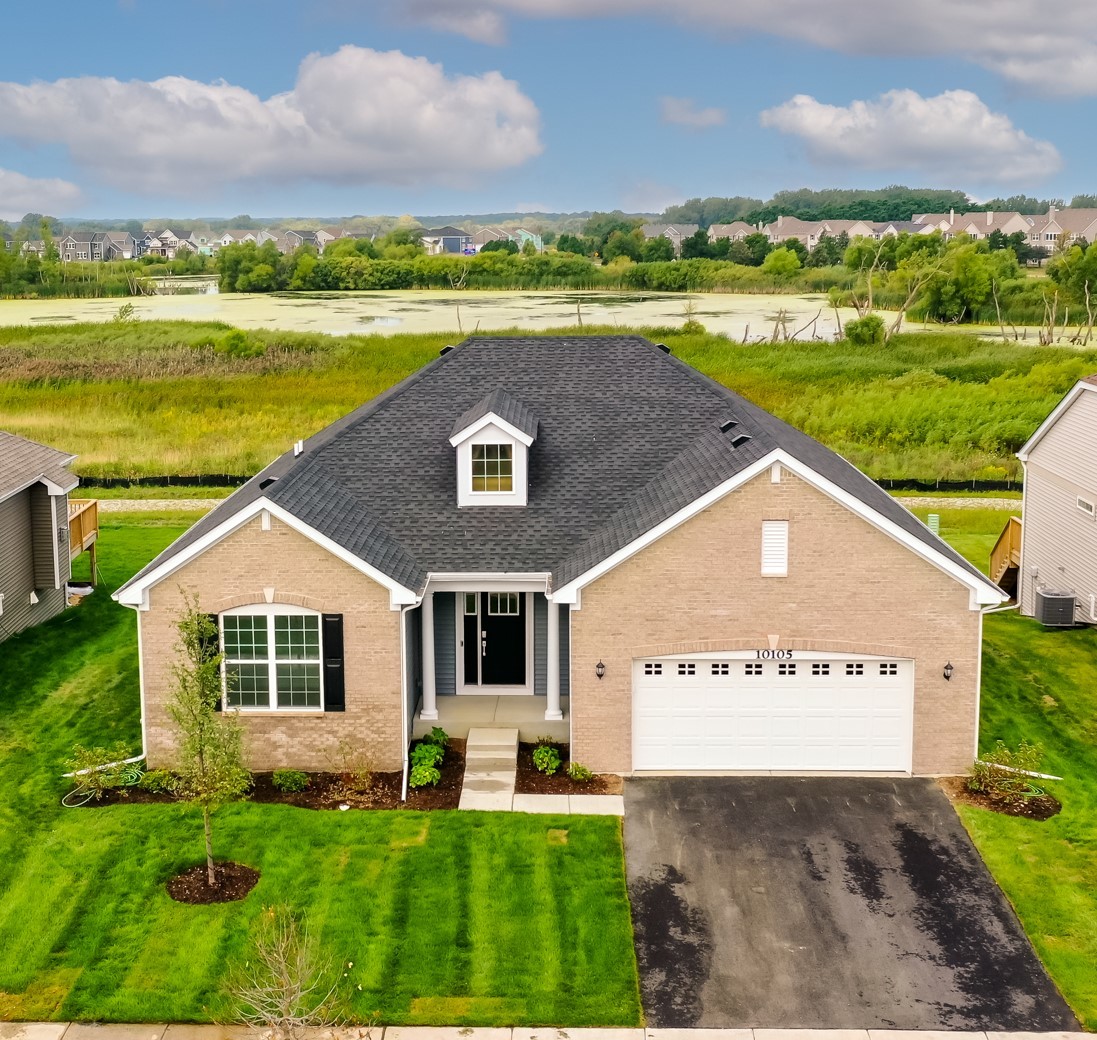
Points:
(492, 433)
(775, 548)
(1085, 506)
(270, 611)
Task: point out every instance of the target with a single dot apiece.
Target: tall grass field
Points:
(139, 399)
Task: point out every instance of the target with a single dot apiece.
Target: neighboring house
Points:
(589, 527)
(1055, 577)
(118, 245)
(36, 538)
(447, 239)
(737, 230)
(677, 233)
(291, 239)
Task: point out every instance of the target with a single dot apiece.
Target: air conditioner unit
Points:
(1055, 607)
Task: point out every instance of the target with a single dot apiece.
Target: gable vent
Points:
(740, 440)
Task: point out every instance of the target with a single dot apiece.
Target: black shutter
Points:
(211, 647)
(335, 698)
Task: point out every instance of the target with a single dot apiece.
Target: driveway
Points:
(822, 903)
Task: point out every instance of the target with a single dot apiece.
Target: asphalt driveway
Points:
(822, 903)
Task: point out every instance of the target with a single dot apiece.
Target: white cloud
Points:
(354, 117)
(20, 194)
(1052, 49)
(953, 136)
(684, 112)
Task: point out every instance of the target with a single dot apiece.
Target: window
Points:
(775, 547)
(820, 668)
(855, 669)
(502, 603)
(889, 668)
(492, 467)
(752, 669)
(721, 668)
(470, 603)
(652, 668)
(272, 660)
(784, 668)
(1086, 506)
(687, 669)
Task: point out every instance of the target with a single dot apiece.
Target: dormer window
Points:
(493, 439)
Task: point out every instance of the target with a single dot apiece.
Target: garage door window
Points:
(855, 669)
(652, 668)
(784, 668)
(721, 668)
(820, 668)
(752, 669)
(687, 669)
(889, 668)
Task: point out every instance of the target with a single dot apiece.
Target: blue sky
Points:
(140, 108)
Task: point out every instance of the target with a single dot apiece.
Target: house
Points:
(1055, 574)
(676, 233)
(589, 531)
(737, 230)
(41, 532)
(447, 239)
(292, 239)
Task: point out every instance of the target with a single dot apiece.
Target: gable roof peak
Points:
(503, 406)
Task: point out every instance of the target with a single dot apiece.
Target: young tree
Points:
(781, 263)
(210, 758)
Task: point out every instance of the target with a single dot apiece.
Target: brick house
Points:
(587, 536)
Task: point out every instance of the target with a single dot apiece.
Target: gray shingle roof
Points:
(627, 435)
(24, 462)
(499, 403)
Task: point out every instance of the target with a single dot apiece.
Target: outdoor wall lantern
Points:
(948, 672)
(599, 669)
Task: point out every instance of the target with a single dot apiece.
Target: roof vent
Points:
(663, 347)
(298, 448)
(728, 424)
(445, 350)
(264, 484)
(740, 440)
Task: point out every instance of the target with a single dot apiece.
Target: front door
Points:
(494, 638)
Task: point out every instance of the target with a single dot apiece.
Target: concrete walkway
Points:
(184, 1031)
(491, 762)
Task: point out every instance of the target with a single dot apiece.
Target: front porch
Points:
(458, 714)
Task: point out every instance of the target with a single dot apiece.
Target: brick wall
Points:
(849, 589)
(235, 572)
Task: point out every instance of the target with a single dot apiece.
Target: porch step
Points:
(491, 760)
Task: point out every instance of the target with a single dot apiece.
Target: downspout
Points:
(405, 728)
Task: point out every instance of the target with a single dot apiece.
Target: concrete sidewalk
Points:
(184, 1031)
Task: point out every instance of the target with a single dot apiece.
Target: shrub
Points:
(866, 332)
(423, 776)
(290, 780)
(157, 781)
(351, 765)
(425, 754)
(98, 769)
(437, 736)
(579, 773)
(1001, 772)
(546, 759)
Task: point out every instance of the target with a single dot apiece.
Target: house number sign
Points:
(773, 655)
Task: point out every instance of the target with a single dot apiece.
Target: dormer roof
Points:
(501, 407)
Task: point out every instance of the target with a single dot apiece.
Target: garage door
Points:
(821, 713)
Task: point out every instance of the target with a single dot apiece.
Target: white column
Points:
(552, 670)
(430, 696)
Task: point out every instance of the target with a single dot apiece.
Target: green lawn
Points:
(1041, 685)
(447, 917)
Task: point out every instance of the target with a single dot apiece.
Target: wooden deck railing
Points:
(1007, 550)
(83, 525)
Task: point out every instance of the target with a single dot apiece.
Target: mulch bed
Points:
(234, 881)
(529, 781)
(1036, 807)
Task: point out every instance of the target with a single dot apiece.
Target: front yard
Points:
(444, 917)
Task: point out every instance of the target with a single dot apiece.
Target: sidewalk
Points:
(183, 1031)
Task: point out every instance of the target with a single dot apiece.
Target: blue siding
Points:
(414, 662)
(445, 642)
(540, 647)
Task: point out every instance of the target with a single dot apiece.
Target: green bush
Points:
(423, 776)
(437, 736)
(1001, 772)
(290, 780)
(157, 781)
(580, 774)
(425, 754)
(98, 769)
(546, 759)
(866, 332)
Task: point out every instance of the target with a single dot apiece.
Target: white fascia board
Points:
(1073, 394)
(135, 594)
(490, 419)
(488, 581)
(52, 489)
(983, 593)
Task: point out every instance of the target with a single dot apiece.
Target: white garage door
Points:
(825, 712)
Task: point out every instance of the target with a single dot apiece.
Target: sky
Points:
(144, 108)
